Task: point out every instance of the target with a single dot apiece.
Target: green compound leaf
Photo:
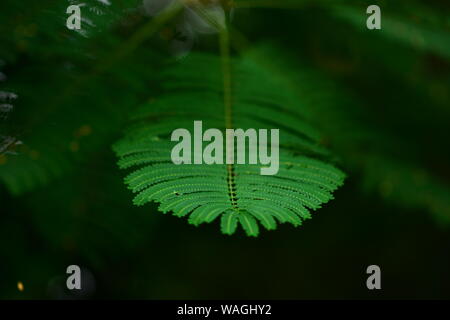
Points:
(229, 222)
(194, 90)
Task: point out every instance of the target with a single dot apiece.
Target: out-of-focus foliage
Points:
(387, 163)
(72, 112)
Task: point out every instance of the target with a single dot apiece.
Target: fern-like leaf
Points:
(194, 90)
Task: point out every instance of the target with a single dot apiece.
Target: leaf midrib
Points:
(226, 71)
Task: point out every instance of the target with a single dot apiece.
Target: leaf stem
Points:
(224, 38)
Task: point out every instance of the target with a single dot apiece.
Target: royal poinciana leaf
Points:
(194, 90)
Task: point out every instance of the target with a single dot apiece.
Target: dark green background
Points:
(84, 215)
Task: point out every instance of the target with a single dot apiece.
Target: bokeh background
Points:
(380, 98)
